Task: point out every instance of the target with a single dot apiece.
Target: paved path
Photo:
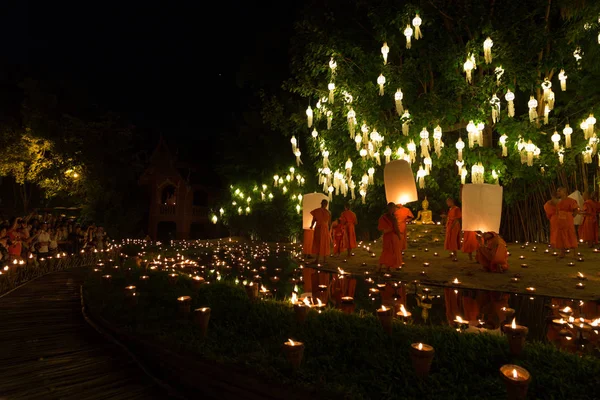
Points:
(48, 351)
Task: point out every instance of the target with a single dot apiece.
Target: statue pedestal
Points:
(424, 235)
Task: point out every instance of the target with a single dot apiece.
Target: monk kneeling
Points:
(493, 255)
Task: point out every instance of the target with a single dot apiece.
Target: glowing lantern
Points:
(331, 88)
(387, 153)
(495, 176)
(276, 180)
(398, 96)
(332, 65)
(377, 158)
(412, 151)
(469, 66)
(363, 153)
(487, 50)
(510, 97)
(381, 82)
(214, 219)
(472, 133)
(477, 173)
(548, 96)
(495, 102)
(567, 132)
(351, 122)
(460, 145)
(310, 202)
(556, 140)
(562, 77)
(546, 113)
(384, 51)
(532, 104)
(587, 155)
(417, 24)
(330, 191)
(578, 54)
(371, 172)
(561, 156)
(329, 115)
(460, 165)
(314, 133)
(421, 174)
(309, 116)
(325, 159)
(349, 168)
(294, 144)
(530, 149)
(481, 207)
(425, 145)
(298, 153)
(400, 187)
(363, 194)
(463, 175)
(437, 140)
(503, 144)
(499, 71)
(408, 33)
(591, 121)
(427, 162)
(221, 211)
(405, 122)
(358, 141)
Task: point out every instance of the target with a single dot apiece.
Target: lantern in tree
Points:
(473, 133)
(532, 104)
(502, 141)
(351, 122)
(363, 194)
(363, 153)
(400, 187)
(510, 97)
(591, 121)
(329, 115)
(377, 157)
(561, 156)
(421, 174)
(332, 65)
(593, 143)
(546, 113)
(481, 207)
(398, 96)
(495, 176)
(487, 50)
(469, 66)
(567, 132)
(347, 97)
(417, 24)
(425, 145)
(294, 144)
(499, 71)
(298, 153)
(309, 116)
(587, 155)
(412, 151)
(384, 51)
(548, 95)
(463, 175)
(437, 140)
(495, 103)
(325, 159)
(349, 169)
(477, 173)
(584, 128)
(530, 149)
(460, 145)
(427, 162)
(562, 77)
(331, 88)
(314, 133)
(381, 82)
(358, 141)
(387, 153)
(405, 122)
(352, 186)
(408, 33)
(371, 172)
(459, 165)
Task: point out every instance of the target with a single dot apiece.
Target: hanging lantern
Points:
(421, 174)
(347, 97)
(352, 186)
(567, 132)
(358, 141)
(371, 172)
(405, 122)
(363, 153)
(332, 65)
(330, 192)
(400, 153)
(469, 66)
(428, 163)
(546, 113)
(460, 145)
(325, 155)
(437, 140)
(593, 143)
(329, 115)
(297, 153)
(562, 77)
(472, 134)
(530, 149)
(365, 133)
(351, 122)
(384, 51)
(477, 173)
(587, 155)
(349, 169)
(331, 88)
(408, 33)
(377, 158)
(591, 121)
(510, 97)
(363, 194)
(459, 165)
(425, 145)
(381, 82)
(417, 24)
(495, 176)
(561, 156)
(463, 175)
(315, 133)
(364, 180)
(294, 144)
(499, 71)
(387, 153)
(532, 104)
(309, 116)
(495, 102)
(412, 151)
(480, 128)
(503, 139)
(276, 180)
(398, 96)
(487, 50)
(481, 207)
(548, 93)
(584, 128)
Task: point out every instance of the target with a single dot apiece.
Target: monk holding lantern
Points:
(452, 242)
(391, 256)
(493, 254)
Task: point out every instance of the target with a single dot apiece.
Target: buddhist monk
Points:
(320, 223)
(470, 243)
(567, 208)
(338, 235)
(552, 215)
(391, 256)
(588, 230)
(403, 215)
(493, 254)
(452, 242)
(350, 221)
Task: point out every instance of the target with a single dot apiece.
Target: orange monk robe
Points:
(552, 215)
(403, 215)
(350, 220)
(470, 242)
(321, 245)
(452, 241)
(588, 230)
(391, 256)
(566, 238)
(339, 239)
(493, 255)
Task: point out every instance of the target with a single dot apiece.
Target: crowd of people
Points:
(39, 236)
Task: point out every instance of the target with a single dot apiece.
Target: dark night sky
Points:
(172, 67)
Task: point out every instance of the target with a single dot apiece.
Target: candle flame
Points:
(596, 322)
(319, 302)
(292, 343)
(383, 308)
(455, 280)
(567, 309)
(294, 299)
(403, 310)
(513, 325)
(263, 289)
(306, 302)
(579, 274)
(459, 319)
(420, 347)
(571, 320)
(514, 373)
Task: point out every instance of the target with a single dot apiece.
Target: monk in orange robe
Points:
(350, 220)
(452, 241)
(493, 255)
(552, 215)
(391, 256)
(320, 223)
(567, 208)
(588, 230)
(470, 243)
(338, 235)
(403, 215)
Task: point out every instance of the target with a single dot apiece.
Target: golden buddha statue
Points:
(424, 216)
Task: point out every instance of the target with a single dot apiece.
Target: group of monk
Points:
(561, 211)
(342, 233)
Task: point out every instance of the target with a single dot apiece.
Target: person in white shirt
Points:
(43, 240)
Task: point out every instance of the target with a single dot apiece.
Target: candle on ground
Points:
(421, 355)
(252, 291)
(516, 379)
(347, 306)
(106, 280)
(197, 282)
(403, 314)
(516, 337)
(173, 278)
(294, 351)
(385, 317)
(460, 323)
(202, 316)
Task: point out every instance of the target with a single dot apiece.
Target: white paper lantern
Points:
(567, 132)
(310, 201)
(487, 50)
(481, 207)
(576, 195)
(384, 51)
(510, 97)
(400, 187)
(562, 77)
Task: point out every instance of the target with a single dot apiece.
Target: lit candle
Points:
(421, 355)
(522, 257)
(580, 285)
(460, 323)
(516, 380)
(516, 337)
(184, 305)
(530, 289)
(403, 314)
(423, 273)
(507, 312)
(426, 264)
(566, 312)
(580, 259)
(524, 266)
(252, 291)
(456, 282)
(514, 279)
(435, 254)
(571, 264)
(202, 316)
(347, 305)
(144, 278)
(294, 351)
(580, 276)
(107, 279)
(385, 317)
(173, 278)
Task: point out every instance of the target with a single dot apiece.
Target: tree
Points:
(532, 43)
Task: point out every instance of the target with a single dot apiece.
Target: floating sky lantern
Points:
(400, 187)
(482, 207)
